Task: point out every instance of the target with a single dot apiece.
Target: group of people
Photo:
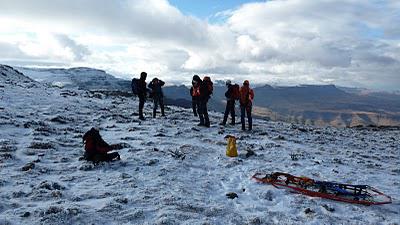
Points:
(97, 150)
(201, 92)
(155, 89)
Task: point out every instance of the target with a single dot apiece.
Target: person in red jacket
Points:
(195, 93)
(246, 104)
(96, 149)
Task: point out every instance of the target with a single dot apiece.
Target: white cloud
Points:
(346, 42)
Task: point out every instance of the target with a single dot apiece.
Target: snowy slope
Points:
(173, 172)
(81, 77)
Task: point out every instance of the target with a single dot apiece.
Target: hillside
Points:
(173, 172)
(321, 105)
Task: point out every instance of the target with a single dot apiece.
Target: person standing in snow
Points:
(158, 97)
(206, 88)
(231, 95)
(246, 104)
(201, 94)
(195, 93)
(142, 93)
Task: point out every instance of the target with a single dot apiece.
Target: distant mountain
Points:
(312, 104)
(81, 77)
(328, 105)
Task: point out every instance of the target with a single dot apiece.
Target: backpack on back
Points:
(235, 91)
(135, 86)
(209, 84)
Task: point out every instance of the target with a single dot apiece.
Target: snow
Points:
(173, 172)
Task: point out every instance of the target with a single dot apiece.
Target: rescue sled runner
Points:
(356, 194)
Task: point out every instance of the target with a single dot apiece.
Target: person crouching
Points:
(96, 149)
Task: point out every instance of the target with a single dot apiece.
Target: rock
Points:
(232, 195)
(18, 194)
(26, 214)
(59, 119)
(40, 145)
(28, 166)
(279, 137)
(36, 161)
(56, 194)
(122, 200)
(308, 211)
(328, 208)
(125, 176)
(53, 210)
(250, 153)
(152, 162)
(57, 186)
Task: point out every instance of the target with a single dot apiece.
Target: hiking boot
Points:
(207, 125)
(222, 124)
(200, 124)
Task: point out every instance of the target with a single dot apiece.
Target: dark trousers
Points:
(230, 109)
(203, 113)
(246, 110)
(195, 104)
(158, 100)
(106, 157)
(141, 105)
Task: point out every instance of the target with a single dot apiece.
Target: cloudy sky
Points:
(286, 42)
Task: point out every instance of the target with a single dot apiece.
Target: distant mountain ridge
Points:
(306, 104)
(80, 77)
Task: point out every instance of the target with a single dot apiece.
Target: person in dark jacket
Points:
(246, 104)
(158, 97)
(96, 149)
(203, 101)
(142, 93)
(195, 93)
(230, 104)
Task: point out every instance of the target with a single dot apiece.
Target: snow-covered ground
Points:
(173, 172)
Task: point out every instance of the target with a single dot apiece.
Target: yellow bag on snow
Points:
(231, 149)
